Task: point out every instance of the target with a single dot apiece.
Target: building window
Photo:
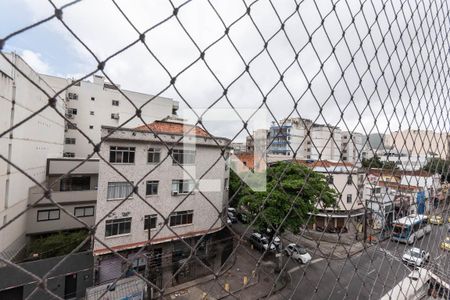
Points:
(92, 113)
(344, 158)
(72, 96)
(91, 126)
(349, 179)
(121, 155)
(151, 187)
(183, 156)
(70, 141)
(115, 102)
(150, 222)
(153, 155)
(115, 116)
(349, 198)
(181, 217)
(118, 226)
(48, 215)
(119, 190)
(330, 179)
(84, 211)
(72, 111)
(182, 186)
(225, 184)
(75, 183)
(68, 154)
(92, 98)
(71, 126)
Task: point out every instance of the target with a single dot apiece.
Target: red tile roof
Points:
(325, 164)
(173, 128)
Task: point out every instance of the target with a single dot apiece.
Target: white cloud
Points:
(36, 61)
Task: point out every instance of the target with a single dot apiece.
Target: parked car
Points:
(298, 253)
(260, 242)
(275, 241)
(445, 244)
(232, 218)
(232, 210)
(436, 220)
(415, 256)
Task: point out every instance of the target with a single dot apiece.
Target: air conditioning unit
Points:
(115, 116)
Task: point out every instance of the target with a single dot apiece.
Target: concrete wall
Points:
(102, 108)
(80, 264)
(205, 213)
(27, 146)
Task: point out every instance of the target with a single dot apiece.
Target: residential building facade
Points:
(91, 105)
(75, 192)
(416, 142)
(27, 146)
(170, 205)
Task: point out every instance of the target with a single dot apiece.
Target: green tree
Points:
(440, 166)
(289, 184)
(375, 162)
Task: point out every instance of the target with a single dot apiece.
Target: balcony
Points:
(62, 197)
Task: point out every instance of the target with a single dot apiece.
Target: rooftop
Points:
(174, 128)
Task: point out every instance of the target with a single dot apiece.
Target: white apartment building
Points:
(91, 105)
(76, 193)
(312, 141)
(353, 147)
(28, 146)
(415, 142)
(346, 180)
(170, 203)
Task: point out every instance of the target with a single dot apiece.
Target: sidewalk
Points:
(322, 248)
(259, 284)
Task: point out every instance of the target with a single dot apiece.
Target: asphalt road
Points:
(366, 275)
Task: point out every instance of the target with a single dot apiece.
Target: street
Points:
(370, 273)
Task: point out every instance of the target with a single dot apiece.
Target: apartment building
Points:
(349, 209)
(28, 146)
(171, 207)
(91, 105)
(75, 192)
(415, 142)
(354, 147)
(313, 141)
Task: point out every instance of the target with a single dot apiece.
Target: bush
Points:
(56, 244)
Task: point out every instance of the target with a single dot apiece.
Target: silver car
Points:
(298, 253)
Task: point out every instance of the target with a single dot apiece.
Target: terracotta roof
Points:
(247, 158)
(325, 164)
(173, 128)
(398, 173)
(398, 186)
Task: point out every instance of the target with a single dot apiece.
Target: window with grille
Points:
(349, 179)
(121, 155)
(153, 155)
(151, 188)
(183, 156)
(84, 211)
(349, 198)
(182, 186)
(150, 221)
(48, 215)
(117, 226)
(70, 141)
(115, 102)
(330, 179)
(71, 126)
(119, 190)
(181, 218)
(72, 111)
(72, 96)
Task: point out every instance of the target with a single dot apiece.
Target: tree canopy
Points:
(440, 166)
(289, 184)
(375, 162)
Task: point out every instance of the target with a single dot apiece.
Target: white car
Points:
(298, 253)
(415, 256)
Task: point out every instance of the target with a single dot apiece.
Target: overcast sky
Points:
(411, 55)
